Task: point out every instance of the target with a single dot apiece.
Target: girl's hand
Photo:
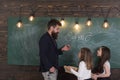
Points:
(94, 76)
(67, 67)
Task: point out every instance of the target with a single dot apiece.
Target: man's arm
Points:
(60, 51)
(64, 48)
(44, 48)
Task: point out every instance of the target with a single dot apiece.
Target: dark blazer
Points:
(48, 52)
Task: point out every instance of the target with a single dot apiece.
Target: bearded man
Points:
(49, 52)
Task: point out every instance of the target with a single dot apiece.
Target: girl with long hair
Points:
(85, 65)
(102, 71)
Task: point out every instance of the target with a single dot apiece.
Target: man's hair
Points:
(53, 22)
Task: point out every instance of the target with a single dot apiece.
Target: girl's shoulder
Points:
(82, 62)
(107, 63)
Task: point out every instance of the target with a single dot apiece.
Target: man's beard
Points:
(55, 35)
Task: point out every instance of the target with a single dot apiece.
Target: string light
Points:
(19, 23)
(62, 22)
(31, 17)
(76, 27)
(105, 24)
(89, 22)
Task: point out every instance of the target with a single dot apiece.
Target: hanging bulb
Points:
(89, 22)
(31, 17)
(19, 23)
(105, 24)
(76, 27)
(62, 22)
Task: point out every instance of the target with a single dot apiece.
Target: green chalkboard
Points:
(23, 48)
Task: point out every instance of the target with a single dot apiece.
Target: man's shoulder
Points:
(44, 36)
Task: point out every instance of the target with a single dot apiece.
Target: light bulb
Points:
(62, 22)
(19, 24)
(31, 18)
(76, 27)
(89, 22)
(105, 24)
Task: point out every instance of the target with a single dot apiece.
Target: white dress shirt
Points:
(83, 72)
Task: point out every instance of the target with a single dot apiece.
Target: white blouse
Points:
(107, 63)
(83, 72)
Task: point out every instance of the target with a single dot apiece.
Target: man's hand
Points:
(52, 69)
(66, 48)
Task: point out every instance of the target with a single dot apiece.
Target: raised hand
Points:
(66, 48)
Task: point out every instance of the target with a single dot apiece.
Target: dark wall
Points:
(46, 8)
